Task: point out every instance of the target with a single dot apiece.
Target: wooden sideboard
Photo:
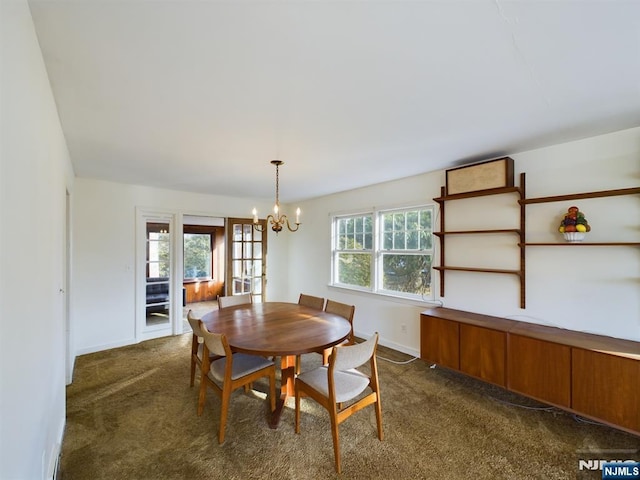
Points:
(595, 376)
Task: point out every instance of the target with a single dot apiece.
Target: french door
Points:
(154, 276)
(246, 258)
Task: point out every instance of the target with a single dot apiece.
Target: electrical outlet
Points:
(403, 327)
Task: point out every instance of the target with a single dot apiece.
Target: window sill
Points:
(386, 296)
(196, 280)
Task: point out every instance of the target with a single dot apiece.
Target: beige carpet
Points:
(132, 415)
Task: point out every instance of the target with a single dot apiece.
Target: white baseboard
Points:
(394, 346)
(105, 346)
(54, 454)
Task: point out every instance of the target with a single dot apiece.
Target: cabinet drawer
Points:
(539, 369)
(483, 353)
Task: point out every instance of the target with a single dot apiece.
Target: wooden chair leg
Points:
(379, 418)
(203, 395)
(297, 413)
(193, 372)
(336, 439)
(224, 409)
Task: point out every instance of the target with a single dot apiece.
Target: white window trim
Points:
(376, 254)
(334, 259)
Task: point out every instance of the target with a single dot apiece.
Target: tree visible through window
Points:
(396, 261)
(354, 250)
(407, 244)
(158, 251)
(197, 255)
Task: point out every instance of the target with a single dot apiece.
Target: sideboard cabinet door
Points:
(540, 369)
(606, 387)
(483, 353)
(439, 341)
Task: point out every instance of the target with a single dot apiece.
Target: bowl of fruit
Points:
(574, 225)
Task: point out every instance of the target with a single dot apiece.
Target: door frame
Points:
(142, 332)
(70, 356)
(229, 222)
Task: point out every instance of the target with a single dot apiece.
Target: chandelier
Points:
(277, 220)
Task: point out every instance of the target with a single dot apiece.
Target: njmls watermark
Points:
(629, 470)
(609, 464)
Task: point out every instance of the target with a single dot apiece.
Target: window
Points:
(197, 255)
(406, 252)
(158, 243)
(354, 250)
(386, 251)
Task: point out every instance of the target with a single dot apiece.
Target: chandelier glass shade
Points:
(277, 220)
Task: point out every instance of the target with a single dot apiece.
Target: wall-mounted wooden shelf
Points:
(578, 196)
(520, 232)
(473, 232)
(583, 244)
(474, 269)
(482, 193)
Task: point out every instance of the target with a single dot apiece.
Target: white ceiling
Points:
(201, 95)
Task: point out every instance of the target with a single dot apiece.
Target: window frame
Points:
(377, 251)
(364, 251)
(199, 230)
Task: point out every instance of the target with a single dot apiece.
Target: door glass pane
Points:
(257, 287)
(248, 269)
(158, 274)
(237, 268)
(248, 233)
(241, 277)
(237, 232)
(257, 268)
(237, 249)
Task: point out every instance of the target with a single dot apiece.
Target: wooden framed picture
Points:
(496, 173)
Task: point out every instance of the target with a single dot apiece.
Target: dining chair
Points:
(338, 387)
(230, 372)
(231, 300)
(197, 345)
(311, 301)
(345, 311)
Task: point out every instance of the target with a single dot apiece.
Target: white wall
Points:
(35, 172)
(592, 289)
(586, 288)
(310, 264)
(104, 253)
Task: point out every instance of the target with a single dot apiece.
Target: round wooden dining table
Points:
(281, 330)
